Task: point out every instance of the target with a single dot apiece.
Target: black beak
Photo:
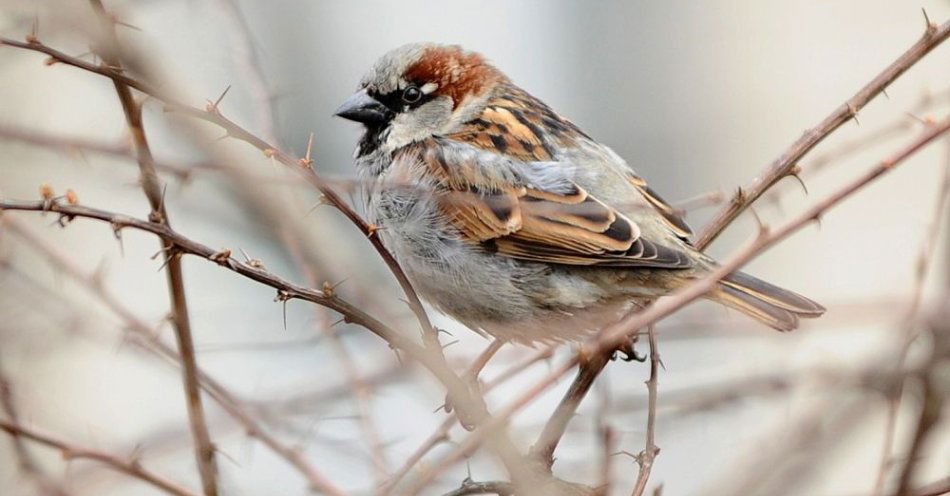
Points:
(361, 107)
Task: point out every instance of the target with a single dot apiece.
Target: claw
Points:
(629, 352)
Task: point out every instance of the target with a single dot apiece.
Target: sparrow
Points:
(512, 220)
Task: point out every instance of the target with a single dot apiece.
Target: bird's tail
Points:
(775, 307)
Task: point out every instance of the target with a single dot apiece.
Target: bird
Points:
(510, 219)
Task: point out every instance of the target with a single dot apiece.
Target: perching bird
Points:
(509, 218)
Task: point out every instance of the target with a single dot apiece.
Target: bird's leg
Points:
(471, 375)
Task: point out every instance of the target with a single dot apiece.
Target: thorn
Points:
(33, 37)
(126, 25)
(221, 257)
(450, 343)
(306, 162)
(398, 356)
(443, 406)
(854, 113)
(168, 258)
(886, 95)
(438, 330)
(328, 288)
(763, 227)
(50, 61)
(321, 202)
(117, 232)
(795, 174)
(371, 230)
(212, 107)
(253, 262)
(284, 312)
(929, 26)
(270, 152)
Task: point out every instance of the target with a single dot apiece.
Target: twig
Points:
(228, 401)
(27, 464)
(440, 435)
(785, 164)
(556, 425)
(204, 449)
(646, 457)
(70, 451)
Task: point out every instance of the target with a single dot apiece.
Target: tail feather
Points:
(776, 307)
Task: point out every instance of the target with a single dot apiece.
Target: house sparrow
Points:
(509, 218)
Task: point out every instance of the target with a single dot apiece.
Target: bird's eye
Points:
(412, 94)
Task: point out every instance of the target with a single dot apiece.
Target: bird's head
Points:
(417, 91)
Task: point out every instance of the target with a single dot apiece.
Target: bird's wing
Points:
(530, 211)
(673, 218)
(518, 125)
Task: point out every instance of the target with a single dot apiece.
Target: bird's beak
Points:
(361, 107)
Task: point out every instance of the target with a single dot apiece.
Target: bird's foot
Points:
(629, 352)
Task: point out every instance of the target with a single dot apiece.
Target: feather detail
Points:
(510, 217)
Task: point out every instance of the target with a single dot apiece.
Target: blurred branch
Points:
(204, 449)
(150, 341)
(132, 468)
(786, 164)
(933, 382)
(645, 458)
(922, 270)
(26, 462)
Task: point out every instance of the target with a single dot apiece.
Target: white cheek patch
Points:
(429, 88)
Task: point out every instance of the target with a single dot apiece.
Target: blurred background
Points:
(699, 96)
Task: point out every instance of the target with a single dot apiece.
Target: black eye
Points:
(411, 94)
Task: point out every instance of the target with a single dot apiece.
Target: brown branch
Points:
(646, 457)
(556, 425)
(69, 451)
(785, 164)
(149, 340)
(204, 449)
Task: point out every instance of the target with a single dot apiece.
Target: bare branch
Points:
(70, 451)
(785, 163)
(646, 457)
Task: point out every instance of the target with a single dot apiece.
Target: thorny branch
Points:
(785, 164)
(71, 451)
(646, 457)
(149, 340)
(204, 449)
